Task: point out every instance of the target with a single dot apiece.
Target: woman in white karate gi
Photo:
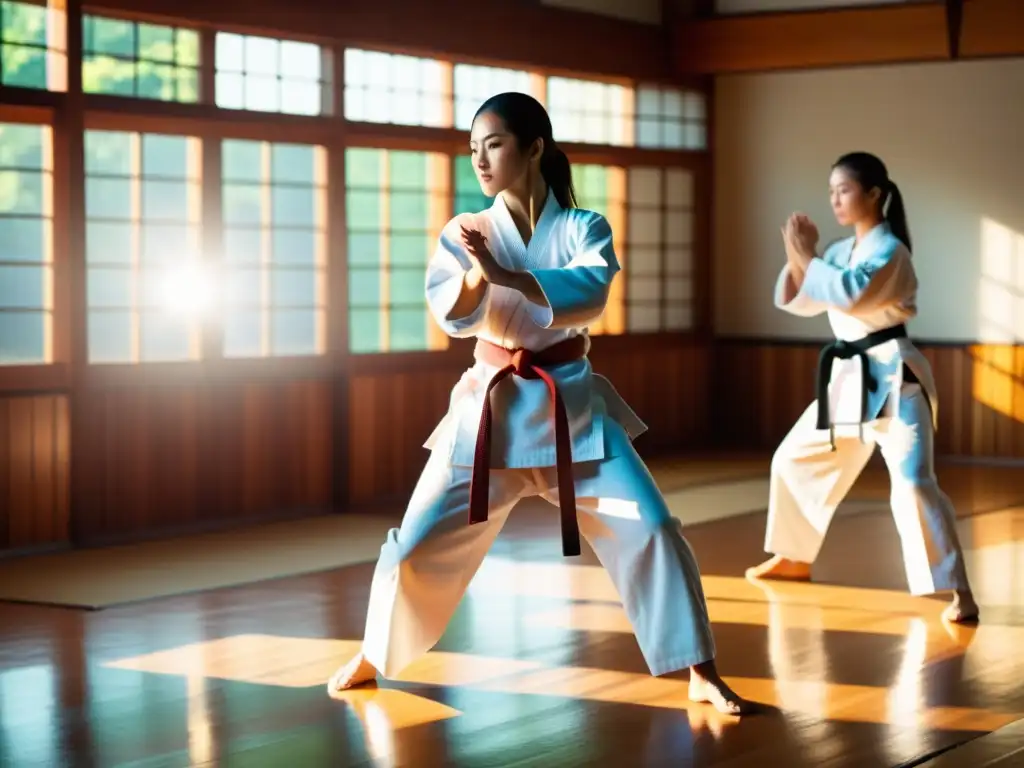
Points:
(874, 387)
(530, 418)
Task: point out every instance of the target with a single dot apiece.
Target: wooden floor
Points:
(539, 667)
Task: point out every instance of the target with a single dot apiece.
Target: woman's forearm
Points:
(474, 286)
(527, 285)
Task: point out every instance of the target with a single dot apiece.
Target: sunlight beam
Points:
(998, 363)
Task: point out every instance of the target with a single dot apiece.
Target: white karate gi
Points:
(426, 565)
(866, 287)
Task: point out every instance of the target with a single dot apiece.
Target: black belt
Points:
(847, 350)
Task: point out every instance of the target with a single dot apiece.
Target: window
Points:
(389, 88)
(469, 198)
(650, 211)
(669, 118)
(275, 249)
(590, 112)
(679, 225)
(659, 287)
(32, 46)
(266, 75)
(474, 85)
(143, 212)
(145, 61)
(26, 258)
(397, 203)
(603, 189)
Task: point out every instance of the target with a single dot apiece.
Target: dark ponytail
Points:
(527, 120)
(870, 172)
(896, 215)
(557, 172)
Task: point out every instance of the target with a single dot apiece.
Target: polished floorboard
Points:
(539, 667)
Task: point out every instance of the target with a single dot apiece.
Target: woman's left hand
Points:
(804, 234)
(476, 246)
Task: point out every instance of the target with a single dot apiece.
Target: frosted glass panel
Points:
(693, 106)
(645, 186)
(644, 261)
(643, 318)
(679, 189)
(396, 204)
(644, 289)
(678, 261)
(276, 272)
(142, 203)
(26, 229)
(645, 226)
(591, 112)
(475, 84)
(694, 136)
(679, 317)
(678, 289)
(648, 102)
(263, 74)
(679, 227)
(670, 118)
(391, 88)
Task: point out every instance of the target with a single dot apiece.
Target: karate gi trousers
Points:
(426, 565)
(809, 480)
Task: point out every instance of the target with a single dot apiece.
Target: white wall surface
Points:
(952, 135)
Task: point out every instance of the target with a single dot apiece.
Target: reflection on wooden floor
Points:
(539, 666)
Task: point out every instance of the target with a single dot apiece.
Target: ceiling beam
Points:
(992, 28)
(884, 34)
(521, 33)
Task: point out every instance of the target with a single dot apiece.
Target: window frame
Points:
(57, 52)
(212, 131)
(211, 124)
(54, 373)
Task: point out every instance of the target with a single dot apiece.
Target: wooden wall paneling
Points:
(157, 459)
(34, 471)
(665, 380)
(762, 386)
(667, 384)
(391, 415)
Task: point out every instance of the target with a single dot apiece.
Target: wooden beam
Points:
(898, 33)
(954, 24)
(553, 39)
(992, 28)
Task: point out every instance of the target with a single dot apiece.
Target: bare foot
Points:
(963, 609)
(357, 672)
(707, 687)
(778, 567)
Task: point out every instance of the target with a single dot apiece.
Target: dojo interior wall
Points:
(950, 135)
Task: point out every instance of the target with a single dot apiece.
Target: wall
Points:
(950, 135)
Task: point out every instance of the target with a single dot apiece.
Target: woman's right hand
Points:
(802, 234)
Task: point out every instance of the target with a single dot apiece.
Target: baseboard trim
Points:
(789, 341)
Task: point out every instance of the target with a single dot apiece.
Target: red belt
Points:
(529, 365)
